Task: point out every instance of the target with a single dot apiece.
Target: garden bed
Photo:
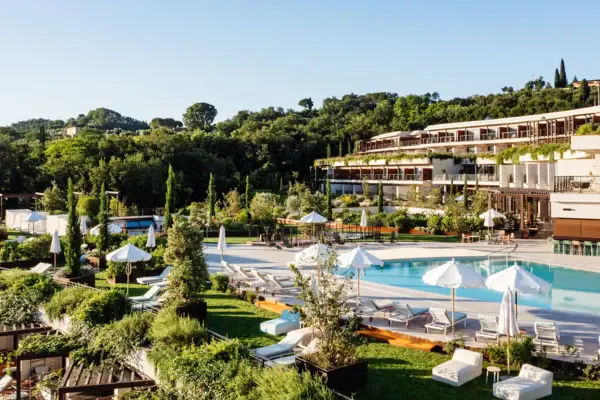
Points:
(346, 379)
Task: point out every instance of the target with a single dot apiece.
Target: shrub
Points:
(251, 296)
(287, 384)
(46, 345)
(115, 269)
(19, 303)
(172, 330)
(103, 308)
(7, 251)
(451, 345)
(434, 224)
(521, 352)
(66, 301)
(220, 282)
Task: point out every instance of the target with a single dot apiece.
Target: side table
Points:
(495, 374)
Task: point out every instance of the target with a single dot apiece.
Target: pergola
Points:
(92, 380)
(520, 197)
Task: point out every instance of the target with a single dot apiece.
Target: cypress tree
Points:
(210, 194)
(247, 192)
(575, 79)
(356, 147)
(169, 199)
(42, 135)
(349, 148)
(329, 211)
(102, 240)
(476, 183)
(328, 151)
(465, 197)
(557, 81)
(281, 186)
(73, 245)
(584, 91)
(563, 74)
(340, 153)
(380, 198)
(451, 187)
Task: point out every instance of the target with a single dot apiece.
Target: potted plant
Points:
(323, 310)
(47, 386)
(188, 278)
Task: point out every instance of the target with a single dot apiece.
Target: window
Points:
(511, 179)
(491, 149)
(525, 178)
(470, 149)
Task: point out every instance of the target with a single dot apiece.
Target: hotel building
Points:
(445, 153)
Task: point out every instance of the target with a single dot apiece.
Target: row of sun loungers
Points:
(256, 279)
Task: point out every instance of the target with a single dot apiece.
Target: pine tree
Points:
(557, 81)
(210, 196)
(584, 91)
(247, 200)
(340, 153)
(563, 74)
(169, 199)
(349, 148)
(329, 211)
(465, 194)
(102, 240)
(328, 151)
(380, 198)
(42, 135)
(73, 244)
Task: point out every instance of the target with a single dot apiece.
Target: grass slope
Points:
(135, 289)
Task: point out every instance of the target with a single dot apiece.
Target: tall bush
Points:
(169, 198)
(103, 308)
(102, 239)
(73, 246)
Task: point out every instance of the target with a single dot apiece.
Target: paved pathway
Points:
(581, 330)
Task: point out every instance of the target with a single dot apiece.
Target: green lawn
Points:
(406, 237)
(232, 317)
(232, 240)
(394, 372)
(135, 289)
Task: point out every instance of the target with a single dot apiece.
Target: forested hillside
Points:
(269, 145)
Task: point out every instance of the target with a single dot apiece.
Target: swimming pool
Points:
(572, 290)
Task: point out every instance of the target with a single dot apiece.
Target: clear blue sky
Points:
(149, 58)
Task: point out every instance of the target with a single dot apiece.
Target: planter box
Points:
(417, 232)
(346, 379)
(98, 262)
(194, 310)
(123, 278)
(450, 233)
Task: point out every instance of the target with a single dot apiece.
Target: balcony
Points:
(577, 184)
(379, 177)
(458, 178)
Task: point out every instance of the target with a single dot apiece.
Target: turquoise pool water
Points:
(572, 290)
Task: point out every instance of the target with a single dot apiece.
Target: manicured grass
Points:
(232, 240)
(135, 289)
(406, 237)
(233, 317)
(394, 372)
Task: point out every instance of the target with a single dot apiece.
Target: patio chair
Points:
(546, 334)
(286, 345)
(532, 383)
(147, 280)
(368, 308)
(288, 321)
(442, 320)
(489, 327)
(465, 366)
(150, 295)
(588, 248)
(403, 313)
(475, 237)
(41, 268)
(557, 246)
(566, 246)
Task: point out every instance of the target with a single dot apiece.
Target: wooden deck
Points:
(398, 339)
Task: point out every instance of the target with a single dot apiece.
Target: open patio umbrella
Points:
(33, 218)
(507, 322)
(453, 275)
(312, 219)
(358, 259)
(55, 245)
(460, 198)
(488, 217)
(316, 254)
(517, 280)
(128, 254)
(112, 229)
(222, 244)
(151, 242)
(363, 222)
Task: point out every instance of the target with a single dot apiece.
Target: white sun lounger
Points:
(546, 334)
(150, 295)
(532, 383)
(41, 268)
(281, 285)
(442, 320)
(147, 280)
(489, 327)
(368, 308)
(241, 273)
(465, 366)
(286, 345)
(403, 313)
(5, 382)
(312, 347)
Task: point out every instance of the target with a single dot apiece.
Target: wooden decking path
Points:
(398, 339)
(273, 306)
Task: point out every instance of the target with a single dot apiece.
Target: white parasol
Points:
(128, 254)
(358, 259)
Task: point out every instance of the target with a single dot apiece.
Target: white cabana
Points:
(112, 229)
(128, 254)
(32, 218)
(517, 280)
(312, 219)
(55, 245)
(507, 322)
(222, 244)
(58, 222)
(453, 275)
(358, 259)
(151, 242)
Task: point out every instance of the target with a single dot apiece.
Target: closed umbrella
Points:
(488, 217)
(453, 275)
(517, 280)
(312, 219)
(222, 244)
(507, 322)
(112, 229)
(55, 245)
(358, 259)
(34, 217)
(83, 226)
(128, 254)
(363, 221)
(151, 242)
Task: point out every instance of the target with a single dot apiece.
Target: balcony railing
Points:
(470, 177)
(577, 184)
(380, 177)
